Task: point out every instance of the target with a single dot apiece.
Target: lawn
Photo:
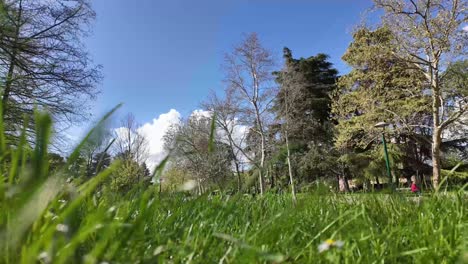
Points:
(178, 228)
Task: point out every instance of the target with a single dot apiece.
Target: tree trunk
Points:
(8, 83)
(272, 177)
(291, 180)
(262, 162)
(199, 187)
(260, 181)
(346, 182)
(343, 183)
(11, 66)
(436, 143)
(236, 161)
(262, 138)
(437, 130)
(239, 181)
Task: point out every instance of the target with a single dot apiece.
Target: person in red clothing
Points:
(414, 188)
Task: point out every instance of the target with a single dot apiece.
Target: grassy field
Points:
(48, 217)
(365, 228)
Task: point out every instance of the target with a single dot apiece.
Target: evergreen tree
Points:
(304, 97)
(303, 107)
(380, 87)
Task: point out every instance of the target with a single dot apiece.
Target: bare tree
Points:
(429, 35)
(289, 93)
(248, 75)
(189, 144)
(227, 121)
(130, 143)
(42, 60)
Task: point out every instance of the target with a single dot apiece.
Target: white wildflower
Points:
(330, 243)
(111, 209)
(62, 228)
(44, 257)
(323, 247)
(158, 250)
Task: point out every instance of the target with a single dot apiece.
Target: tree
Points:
(145, 170)
(174, 178)
(56, 162)
(302, 105)
(306, 85)
(380, 87)
(42, 60)
(428, 35)
(227, 122)
(248, 76)
(129, 174)
(131, 148)
(130, 143)
(189, 145)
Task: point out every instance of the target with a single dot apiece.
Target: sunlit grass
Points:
(45, 218)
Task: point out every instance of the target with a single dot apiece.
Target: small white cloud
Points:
(201, 113)
(465, 28)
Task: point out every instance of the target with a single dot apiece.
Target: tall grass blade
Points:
(76, 152)
(43, 133)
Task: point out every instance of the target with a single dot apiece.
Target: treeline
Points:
(303, 124)
(269, 128)
(125, 146)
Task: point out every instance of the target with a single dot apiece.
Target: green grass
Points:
(252, 230)
(243, 229)
(45, 218)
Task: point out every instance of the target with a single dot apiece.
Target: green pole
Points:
(387, 161)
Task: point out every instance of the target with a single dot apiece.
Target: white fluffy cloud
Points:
(154, 132)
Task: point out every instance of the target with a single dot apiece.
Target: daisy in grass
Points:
(330, 243)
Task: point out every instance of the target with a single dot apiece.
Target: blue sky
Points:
(162, 57)
(166, 54)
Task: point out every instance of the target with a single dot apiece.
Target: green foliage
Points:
(175, 177)
(127, 175)
(302, 108)
(303, 101)
(455, 79)
(319, 162)
(379, 87)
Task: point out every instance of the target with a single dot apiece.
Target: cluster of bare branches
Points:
(43, 62)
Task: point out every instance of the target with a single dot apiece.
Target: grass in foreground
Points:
(243, 229)
(45, 219)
